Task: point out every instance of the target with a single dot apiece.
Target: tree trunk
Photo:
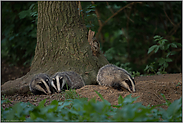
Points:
(62, 45)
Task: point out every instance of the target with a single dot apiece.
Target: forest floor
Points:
(148, 88)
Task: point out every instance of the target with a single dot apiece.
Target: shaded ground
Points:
(148, 88)
(11, 72)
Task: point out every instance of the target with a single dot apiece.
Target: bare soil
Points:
(148, 88)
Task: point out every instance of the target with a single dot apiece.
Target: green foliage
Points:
(150, 68)
(18, 112)
(83, 110)
(71, 94)
(174, 111)
(164, 45)
(126, 37)
(19, 27)
(89, 15)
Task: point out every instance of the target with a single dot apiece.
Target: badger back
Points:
(40, 84)
(75, 80)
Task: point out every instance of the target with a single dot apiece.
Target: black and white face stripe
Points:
(40, 84)
(53, 83)
(131, 83)
(58, 82)
(45, 85)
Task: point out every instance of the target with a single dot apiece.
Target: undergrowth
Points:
(82, 109)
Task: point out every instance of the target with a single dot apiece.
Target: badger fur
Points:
(66, 80)
(40, 84)
(113, 76)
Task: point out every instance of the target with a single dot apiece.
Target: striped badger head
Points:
(126, 81)
(58, 82)
(128, 84)
(116, 77)
(40, 84)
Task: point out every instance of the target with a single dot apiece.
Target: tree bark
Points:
(61, 46)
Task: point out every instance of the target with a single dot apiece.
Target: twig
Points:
(98, 16)
(118, 12)
(100, 28)
(156, 95)
(128, 17)
(110, 8)
(167, 15)
(99, 21)
(174, 29)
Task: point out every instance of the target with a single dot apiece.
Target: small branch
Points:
(119, 11)
(99, 21)
(98, 16)
(100, 28)
(110, 8)
(167, 15)
(174, 29)
(128, 17)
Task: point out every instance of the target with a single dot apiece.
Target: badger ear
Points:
(61, 77)
(46, 80)
(53, 78)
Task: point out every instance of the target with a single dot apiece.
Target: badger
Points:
(66, 80)
(113, 76)
(40, 84)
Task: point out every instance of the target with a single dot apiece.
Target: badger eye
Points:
(129, 83)
(39, 83)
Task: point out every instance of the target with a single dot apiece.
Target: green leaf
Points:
(156, 49)
(41, 104)
(152, 48)
(120, 99)
(32, 116)
(109, 54)
(175, 109)
(62, 105)
(32, 6)
(147, 68)
(167, 102)
(157, 36)
(101, 97)
(168, 60)
(173, 45)
(162, 61)
(178, 44)
(24, 14)
(105, 101)
(129, 100)
(54, 102)
(171, 53)
(164, 40)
